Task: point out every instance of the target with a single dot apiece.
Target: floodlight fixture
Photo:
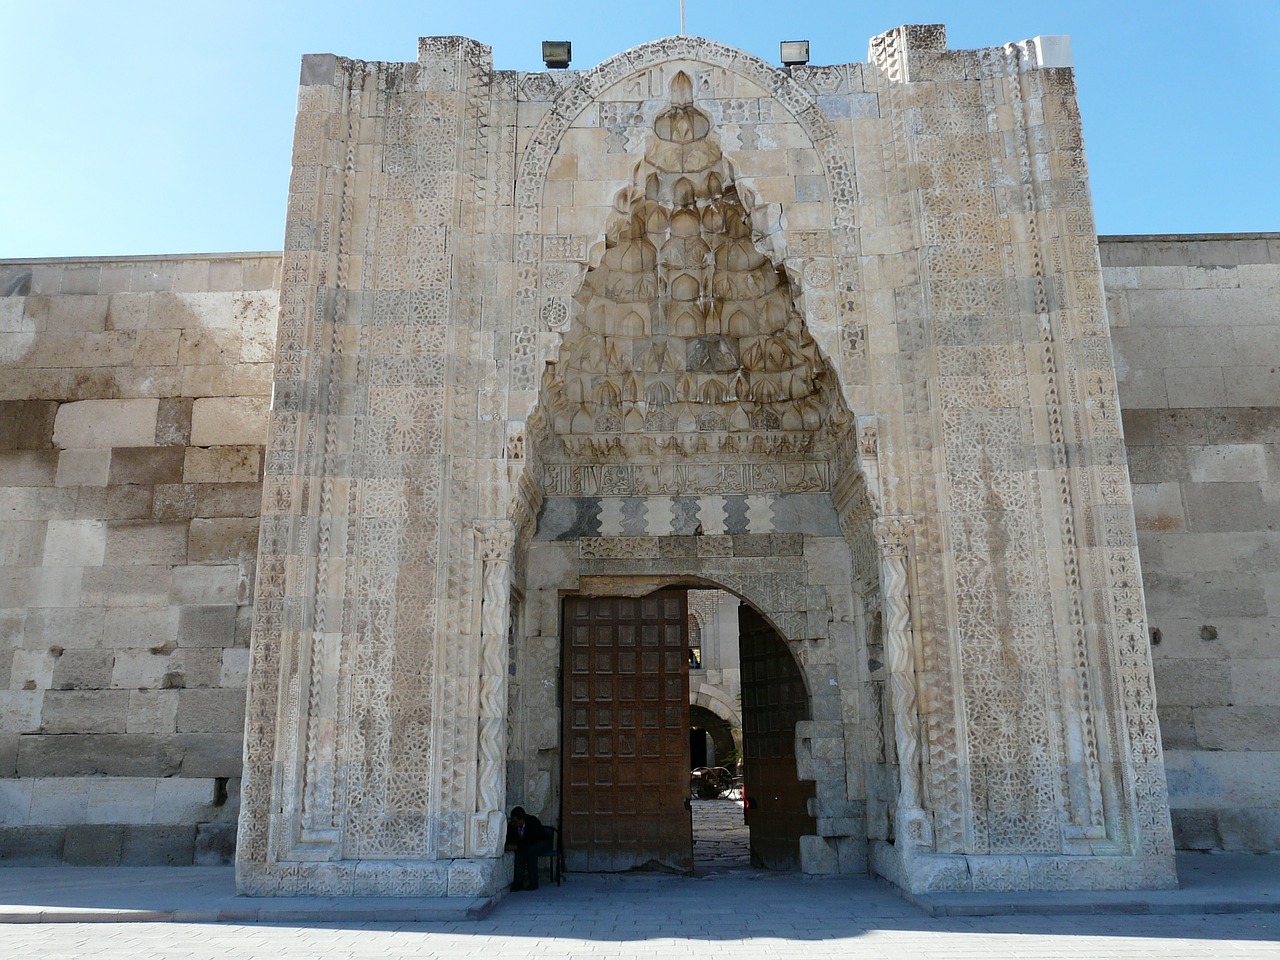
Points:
(793, 53)
(556, 54)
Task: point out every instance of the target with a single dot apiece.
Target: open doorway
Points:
(720, 837)
(672, 702)
(747, 695)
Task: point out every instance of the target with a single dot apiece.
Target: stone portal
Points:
(831, 338)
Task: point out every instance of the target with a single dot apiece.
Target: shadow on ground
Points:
(736, 906)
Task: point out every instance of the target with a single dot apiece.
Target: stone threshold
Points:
(1209, 883)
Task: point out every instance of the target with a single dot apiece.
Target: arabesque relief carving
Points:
(445, 233)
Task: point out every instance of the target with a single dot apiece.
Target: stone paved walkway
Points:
(721, 841)
(766, 917)
(734, 915)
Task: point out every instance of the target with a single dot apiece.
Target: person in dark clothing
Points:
(526, 836)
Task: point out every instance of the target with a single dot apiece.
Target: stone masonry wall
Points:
(133, 404)
(1196, 328)
(132, 415)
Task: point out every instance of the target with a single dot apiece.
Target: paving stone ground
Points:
(721, 841)
(725, 911)
(734, 918)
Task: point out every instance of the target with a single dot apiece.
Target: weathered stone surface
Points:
(1256, 829)
(1193, 683)
(96, 845)
(31, 846)
(83, 670)
(126, 628)
(83, 468)
(141, 542)
(211, 755)
(215, 844)
(211, 711)
(1208, 779)
(173, 421)
(114, 503)
(228, 464)
(222, 540)
(207, 626)
(27, 424)
(106, 423)
(146, 465)
(1196, 830)
(75, 543)
(73, 755)
(227, 421)
(215, 584)
(1238, 727)
(152, 711)
(1158, 507)
(157, 845)
(228, 500)
(20, 710)
(132, 585)
(87, 711)
(28, 468)
(1227, 462)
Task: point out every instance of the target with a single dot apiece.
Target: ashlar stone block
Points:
(222, 540)
(120, 800)
(1227, 462)
(211, 711)
(74, 543)
(83, 468)
(152, 711)
(15, 802)
(106, 423)
(139, 627)
(20, 710)
(59, 800)
(97, 845)
(146, 465)
(207, 626)
(84, 711)
(157, 844)
(224, 464)
(229, 421)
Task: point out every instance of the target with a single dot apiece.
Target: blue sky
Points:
(145, 127)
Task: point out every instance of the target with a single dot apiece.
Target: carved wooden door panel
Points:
(774, 698)
(626, 733)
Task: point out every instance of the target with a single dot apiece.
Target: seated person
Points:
(526, 836)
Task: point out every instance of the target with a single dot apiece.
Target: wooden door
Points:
(774, 698)
(626, 733)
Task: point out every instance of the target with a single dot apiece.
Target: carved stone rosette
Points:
(497, 547)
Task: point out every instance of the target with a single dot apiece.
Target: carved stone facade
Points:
(831, 338)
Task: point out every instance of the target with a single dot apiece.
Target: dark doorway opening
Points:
(699, 754)
(710, 740)
(774, 700)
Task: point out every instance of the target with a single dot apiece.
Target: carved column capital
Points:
(893, 535)
(497, 539)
